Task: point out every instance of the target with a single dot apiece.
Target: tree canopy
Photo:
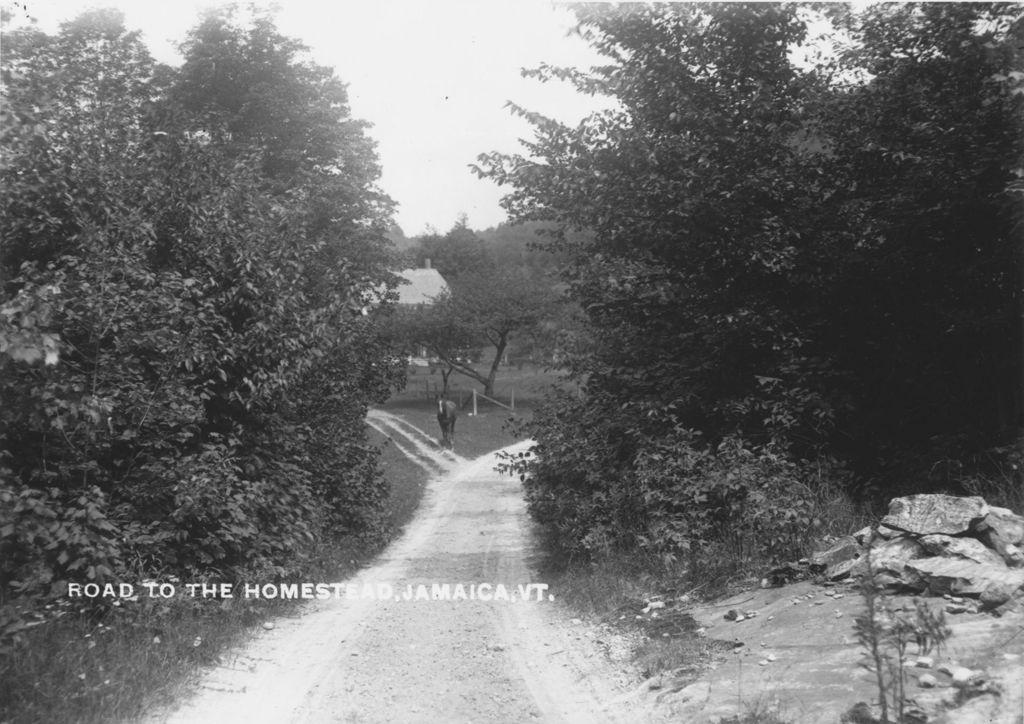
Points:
(814, 260)
(493, 301)
(184, 257)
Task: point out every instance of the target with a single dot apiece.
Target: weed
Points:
(756, 715)
(1003, 487)
(885, 632)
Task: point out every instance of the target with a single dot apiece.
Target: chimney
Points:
(426, 263)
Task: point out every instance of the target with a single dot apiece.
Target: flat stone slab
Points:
(1006, 523)
(1003, 530)
(963, 576)
(970, 548)
(890, 556)
(845, 549)
(925, 514)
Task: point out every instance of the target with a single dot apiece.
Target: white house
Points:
(423, 287)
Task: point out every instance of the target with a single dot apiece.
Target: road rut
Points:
(371, 660)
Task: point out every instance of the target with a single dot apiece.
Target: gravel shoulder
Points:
(372, 658)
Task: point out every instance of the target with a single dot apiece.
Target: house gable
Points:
(423, 287)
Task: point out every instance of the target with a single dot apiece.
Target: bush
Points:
(184, 381)
(601, 487)
(801, 262)
(48, 538)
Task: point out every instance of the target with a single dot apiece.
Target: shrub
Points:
(601, 487)
(184, 382)
(48, 538)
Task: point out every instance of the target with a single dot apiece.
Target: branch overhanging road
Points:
(371, 660)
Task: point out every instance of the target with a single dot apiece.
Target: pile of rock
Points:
(937, 545)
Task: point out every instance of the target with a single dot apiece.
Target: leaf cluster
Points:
(184, 378)
(493, 302)
(807, 260)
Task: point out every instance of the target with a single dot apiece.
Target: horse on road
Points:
(447, 411)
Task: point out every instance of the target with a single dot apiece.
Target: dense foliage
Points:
(795, 265)
(184, 374)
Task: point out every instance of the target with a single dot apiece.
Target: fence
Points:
(432, 389)
(510, 406)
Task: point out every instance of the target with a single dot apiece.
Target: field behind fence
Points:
(525, 384)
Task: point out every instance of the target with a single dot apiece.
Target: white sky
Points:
(431, 76)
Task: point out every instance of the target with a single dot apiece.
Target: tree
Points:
(926, 295)
(434, 328)
(481, 310)
(206, 411)
(457, 253)
(795, 261)
(398, 238)
(494, 296)
(525, 245)
(252, 91)
(694, 192)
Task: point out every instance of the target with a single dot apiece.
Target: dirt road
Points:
(372, 658)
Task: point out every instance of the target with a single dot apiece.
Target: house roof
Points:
(424, 286)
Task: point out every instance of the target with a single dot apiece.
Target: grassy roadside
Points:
(113, 665)
(475, 435)
(614, 591)
(649, 598)
(635, 592)
(86, 669)
(527, 384)
(643, 599)
(493, 426)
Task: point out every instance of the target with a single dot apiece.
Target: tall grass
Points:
(1002, 487)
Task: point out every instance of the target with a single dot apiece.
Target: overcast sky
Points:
(432, 76)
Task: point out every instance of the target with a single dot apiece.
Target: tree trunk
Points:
(499, 352)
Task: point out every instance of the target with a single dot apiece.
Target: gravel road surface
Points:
(371, 658)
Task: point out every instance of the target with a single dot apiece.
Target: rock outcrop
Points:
(936, 545)
(925, 514)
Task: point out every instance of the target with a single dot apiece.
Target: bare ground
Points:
(799, 659)
(366, 660)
